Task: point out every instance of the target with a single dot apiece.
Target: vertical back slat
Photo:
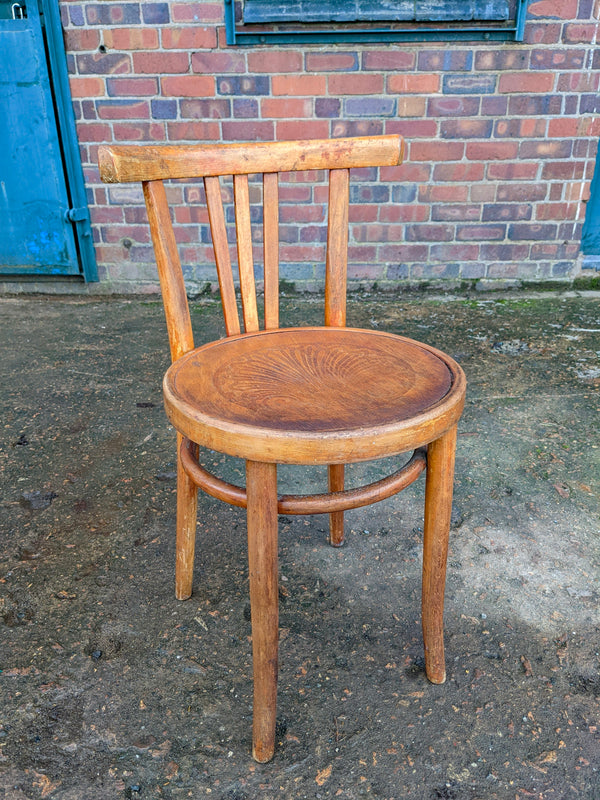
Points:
(337, 248)
(271, 248)
(218, 230)
(243, 230)
(179, 325)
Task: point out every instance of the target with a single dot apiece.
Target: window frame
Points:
(237, 35)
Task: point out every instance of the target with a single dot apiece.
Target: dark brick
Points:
(531, 232)
(453, 106)
(369, 194)
(248, 84)
(164, 109)
(429, 233)
(466, 129)
(442, 60)
(362, 127)
(480, 233)
(370, 107)
(113, 13)
(506, 211)
(557, 148)
(494, 106)
(205, 109)
(155, 13)
(570, 105)
(245, 108)
(504, 252)
(103, 63)
(469, 84)
(589, 103)
(404, 193)
(451, 213)
(565, 58)
(328, 107)
(397, 272)
(534, 105)
(76, 15)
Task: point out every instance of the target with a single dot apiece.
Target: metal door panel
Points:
(35, 233)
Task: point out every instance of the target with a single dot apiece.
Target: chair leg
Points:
(261, 487)
(438, 508)
(187, 508)
(336, 518)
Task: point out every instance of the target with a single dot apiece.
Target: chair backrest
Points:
(151, 165)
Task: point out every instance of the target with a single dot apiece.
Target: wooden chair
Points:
(317, 395)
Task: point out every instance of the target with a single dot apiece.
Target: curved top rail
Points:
(130, 163)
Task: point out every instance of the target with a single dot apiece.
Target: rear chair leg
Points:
(187, 508)
(336, 518)
(438, 509)
(261, 488)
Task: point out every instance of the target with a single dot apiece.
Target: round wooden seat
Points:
(314, 395)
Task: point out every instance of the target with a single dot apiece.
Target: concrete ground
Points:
(110, 688)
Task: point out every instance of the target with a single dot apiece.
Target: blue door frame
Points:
(590, 239)
(44, 221)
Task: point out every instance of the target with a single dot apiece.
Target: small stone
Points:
(37, 501)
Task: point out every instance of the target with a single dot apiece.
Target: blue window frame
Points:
(255, 22)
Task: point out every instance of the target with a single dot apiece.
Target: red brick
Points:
(197, 131)
(197, 12)
(499, 59)
(458, 172)
(414, 128)
(275, 62)
(525, 82)
(248, 130)
(546, 149)
(407, 172)
(161, 63)
(285, 107)
(561, 58)
(219, 62)
(563, 127)
(519, 192)
(422, 83)
(87, 87)
(488, 151)
(520, 171)
(356, 127)
(131, 38)
(77, 39)
(132, 87)
(542, 33)
(447, 192)
(298, 85)
(453, 106)
(411, 106)
(302, 129)
(331, 62)
(563, 170)
(556, 211)
(94, 132)
(404, 212)
(303, 253)
(557, 9)
(482, 192)
(355, 83)
(188, 86)
(580, 33)
(185, 215)
(365, 212)
(403, 253)
(436, 151)
(455, 212)
(139, 131)
(578, 82)
(391, 60)
(519, 128)
(123, 109)
(454, 252)
(362, 253)
(188, 38)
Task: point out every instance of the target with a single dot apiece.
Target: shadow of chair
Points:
(328, 395)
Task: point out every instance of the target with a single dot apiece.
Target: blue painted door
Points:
(36, 234)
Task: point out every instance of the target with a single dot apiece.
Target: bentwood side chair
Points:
(327, 395)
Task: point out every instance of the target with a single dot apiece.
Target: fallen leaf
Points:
(324, 775)
(562, 489)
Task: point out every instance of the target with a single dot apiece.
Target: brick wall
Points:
(501, 139)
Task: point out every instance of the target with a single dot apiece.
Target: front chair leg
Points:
(438, 509)
(261, 488)
(187, 509)
(335, 473)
